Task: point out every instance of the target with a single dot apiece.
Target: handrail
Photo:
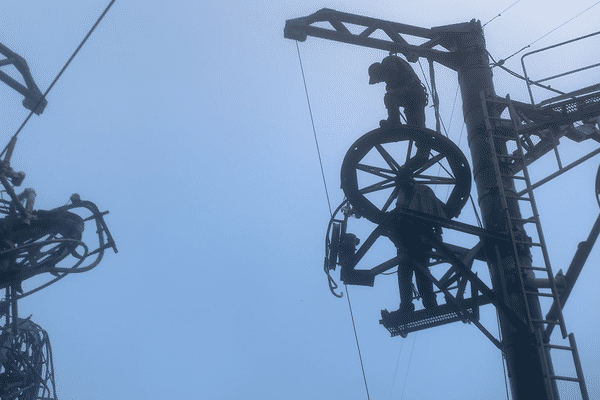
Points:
(538, 82)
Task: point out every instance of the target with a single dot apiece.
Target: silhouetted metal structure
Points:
(505, 137)
(34, 100)
(35, 242)
(26, 360)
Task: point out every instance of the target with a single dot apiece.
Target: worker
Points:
(412, 248)
(403, 89)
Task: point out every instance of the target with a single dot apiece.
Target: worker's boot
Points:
(406, 308)
(430, 302)
(389, 123)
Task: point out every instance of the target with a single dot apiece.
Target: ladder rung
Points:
(539, 294)
(509, 156)
(534, 268)
(564, 378)
(514, 176)
(517, 197)
(500, 119)
(555, 346)
(545, 321)
(506, 137)
(525, 221)
(528, 243)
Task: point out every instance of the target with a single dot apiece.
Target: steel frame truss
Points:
(540, 129)
(457, 307)
(299, 28)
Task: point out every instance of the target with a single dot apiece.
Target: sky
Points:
(188, 121)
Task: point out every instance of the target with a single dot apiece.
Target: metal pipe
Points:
(567, 73)
(581, 255)
(561, 171)
(530, 82)
(577, 361)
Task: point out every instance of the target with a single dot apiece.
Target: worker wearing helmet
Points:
(404, 89)
(412, 248)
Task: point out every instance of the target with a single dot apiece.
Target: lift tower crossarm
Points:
(527, 356)
(33, 96)
(299, 28)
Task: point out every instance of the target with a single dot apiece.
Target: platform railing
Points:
(543, 82)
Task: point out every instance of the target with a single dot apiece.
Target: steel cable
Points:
(408, 366)
(357, 345)
(396, 372)
(331, 214)
(500, 14)
(540, 38)
(60, 73)
(314, 130)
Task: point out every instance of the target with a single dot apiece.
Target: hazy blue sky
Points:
(188, 121)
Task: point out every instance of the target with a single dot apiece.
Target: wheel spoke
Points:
(410, 146)
(429, 163)
(390, 199)
(388, 183)
(382, 172)
(446, 170)
(388, 158)
(403, 154)
(436, 180)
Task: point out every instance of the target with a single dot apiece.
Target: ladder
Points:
(501, 131)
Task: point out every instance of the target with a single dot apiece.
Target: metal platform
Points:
(398, 323)
(576, 108)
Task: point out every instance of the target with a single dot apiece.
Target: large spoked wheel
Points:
(379, 162)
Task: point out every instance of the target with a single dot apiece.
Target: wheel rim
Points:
(381, 160)
(598, 186)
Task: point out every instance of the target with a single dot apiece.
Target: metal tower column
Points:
(524, 363)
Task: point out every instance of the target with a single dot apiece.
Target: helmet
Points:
(375, 73)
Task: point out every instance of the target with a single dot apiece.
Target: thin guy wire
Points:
(331, 213)
(500, 13)
(409, 358)
(60, 73)
(357, 345)
(461, 131)
(470, 196)
(453, 108)
(502, 353)
(396, 372)
(537, 40)
(424, 76)
(314, 130)
(431, 91)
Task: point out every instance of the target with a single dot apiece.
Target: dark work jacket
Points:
(420, 198)
(398, 73)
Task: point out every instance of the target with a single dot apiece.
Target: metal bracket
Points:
(34, 99)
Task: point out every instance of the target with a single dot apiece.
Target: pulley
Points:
(379, 162)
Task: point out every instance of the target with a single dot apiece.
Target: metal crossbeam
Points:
(299, 28)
